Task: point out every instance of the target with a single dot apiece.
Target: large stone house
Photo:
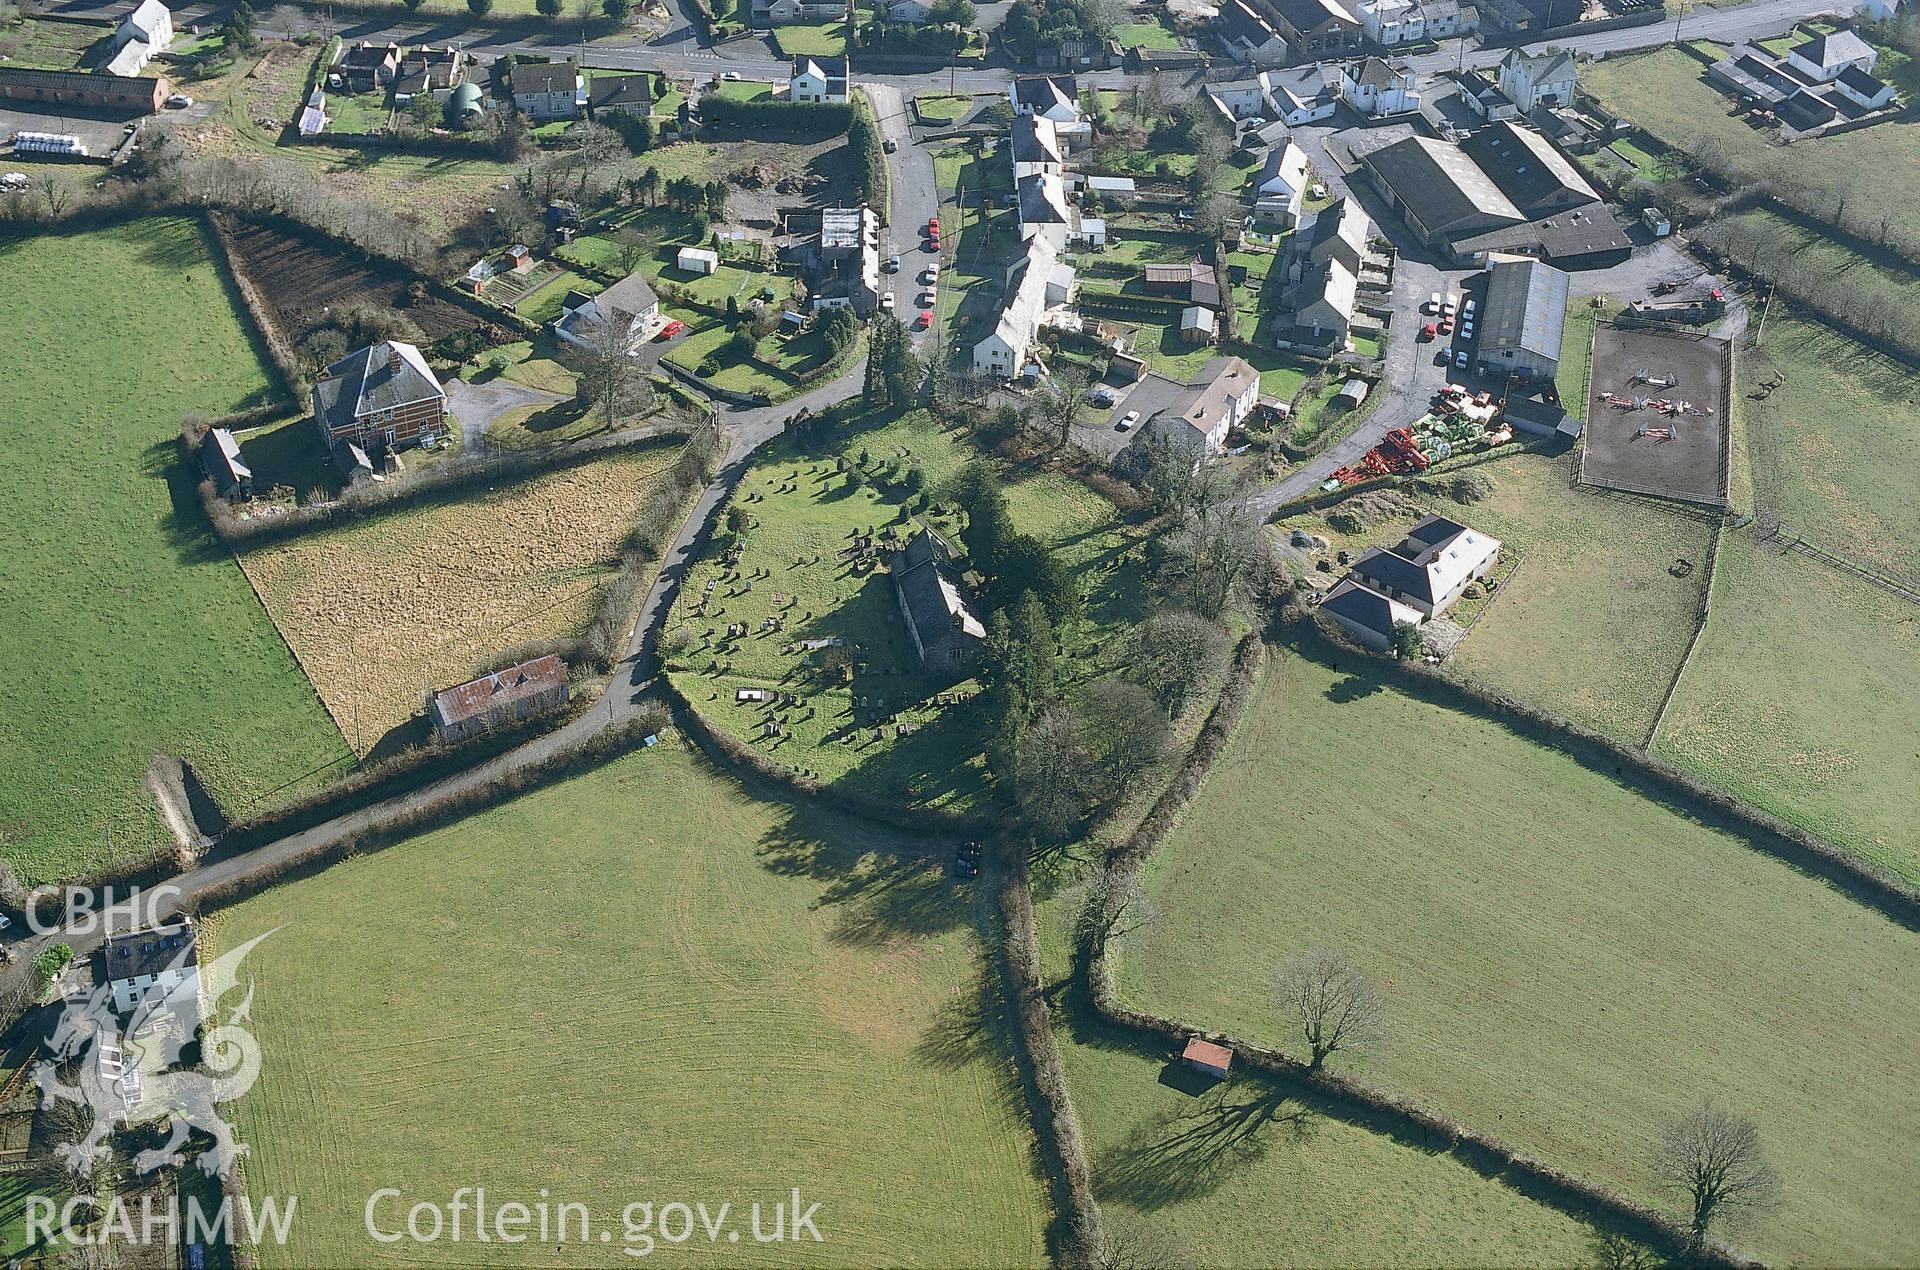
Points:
(382, 397)
(549, 90)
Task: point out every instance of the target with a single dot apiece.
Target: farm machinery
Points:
(1413, 449)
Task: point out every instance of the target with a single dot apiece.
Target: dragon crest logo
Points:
(121, 1057)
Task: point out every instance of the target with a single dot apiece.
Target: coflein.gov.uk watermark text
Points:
(469, 1216)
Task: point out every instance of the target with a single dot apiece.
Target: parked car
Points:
(729, 75)
(670, 330)
(1127, 421)
(1466, 306)
(1433, 302)
(926, 299)
(1184, 214)
(1428, 330)
(890, 146)
(886, 301)
(924, 321)
(966, 860)
(1460, 360)
(930, 275)
(1101, 395)
(1256, 121)
(179, 101)
(893, 264)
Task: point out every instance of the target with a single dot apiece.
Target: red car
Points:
(933, 225)
(925, 320)
(1427, 330)
(670, 330)
(1446, 327)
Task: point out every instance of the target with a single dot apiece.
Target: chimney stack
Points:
(393, 357)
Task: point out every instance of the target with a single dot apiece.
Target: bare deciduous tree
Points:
(1059, 402)
(1113, 906)
(610, 376)
(1712, 1158)
(1336, 1006)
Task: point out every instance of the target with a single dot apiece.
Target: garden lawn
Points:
(1538, 931)
(1666, 93)
(1242, 1175)
(391, 607)
(747, 998)
(943, 107)
(804, 512)
(812, 39)
(745, 89)
(1592, 625)
(131, 632)
(1145, 35)
(542, 304)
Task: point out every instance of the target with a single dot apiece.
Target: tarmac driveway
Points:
(478, 405)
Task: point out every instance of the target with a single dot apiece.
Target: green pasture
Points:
(1566, 962)
(140, 636)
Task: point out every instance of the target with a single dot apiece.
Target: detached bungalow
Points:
(1430, 569)
(628, 308)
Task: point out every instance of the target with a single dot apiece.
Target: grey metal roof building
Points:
(1524, 318)
(1439, 189)
(1537, 178)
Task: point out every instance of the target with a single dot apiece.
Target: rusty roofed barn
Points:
(504, 697)
(137, 94)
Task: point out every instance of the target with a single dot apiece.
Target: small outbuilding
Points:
(1196, 325)
(701, 260)
(1351, 394)
(1205, 1056)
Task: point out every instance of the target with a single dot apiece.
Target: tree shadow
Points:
(1355, 687)
(1189, 1152)
(885, 887)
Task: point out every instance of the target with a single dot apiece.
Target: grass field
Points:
(385, 610)
(804, 510)
(746, 999)
(1801, 699)
(50, 44)
(1241, 1176)
(136, 610)
(1593, 586)
(1801, 695)
(1820, 447)
(1666, 93)
(1565, 962)
(1859, 277)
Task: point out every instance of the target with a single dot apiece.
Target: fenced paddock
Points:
(1694, 463)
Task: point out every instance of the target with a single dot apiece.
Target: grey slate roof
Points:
(931, 597)
(544, 77)
(380, 377)
(1361, 605)
(1525, 166)
(149, 952)
(1396, 571)
(1828, 51)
